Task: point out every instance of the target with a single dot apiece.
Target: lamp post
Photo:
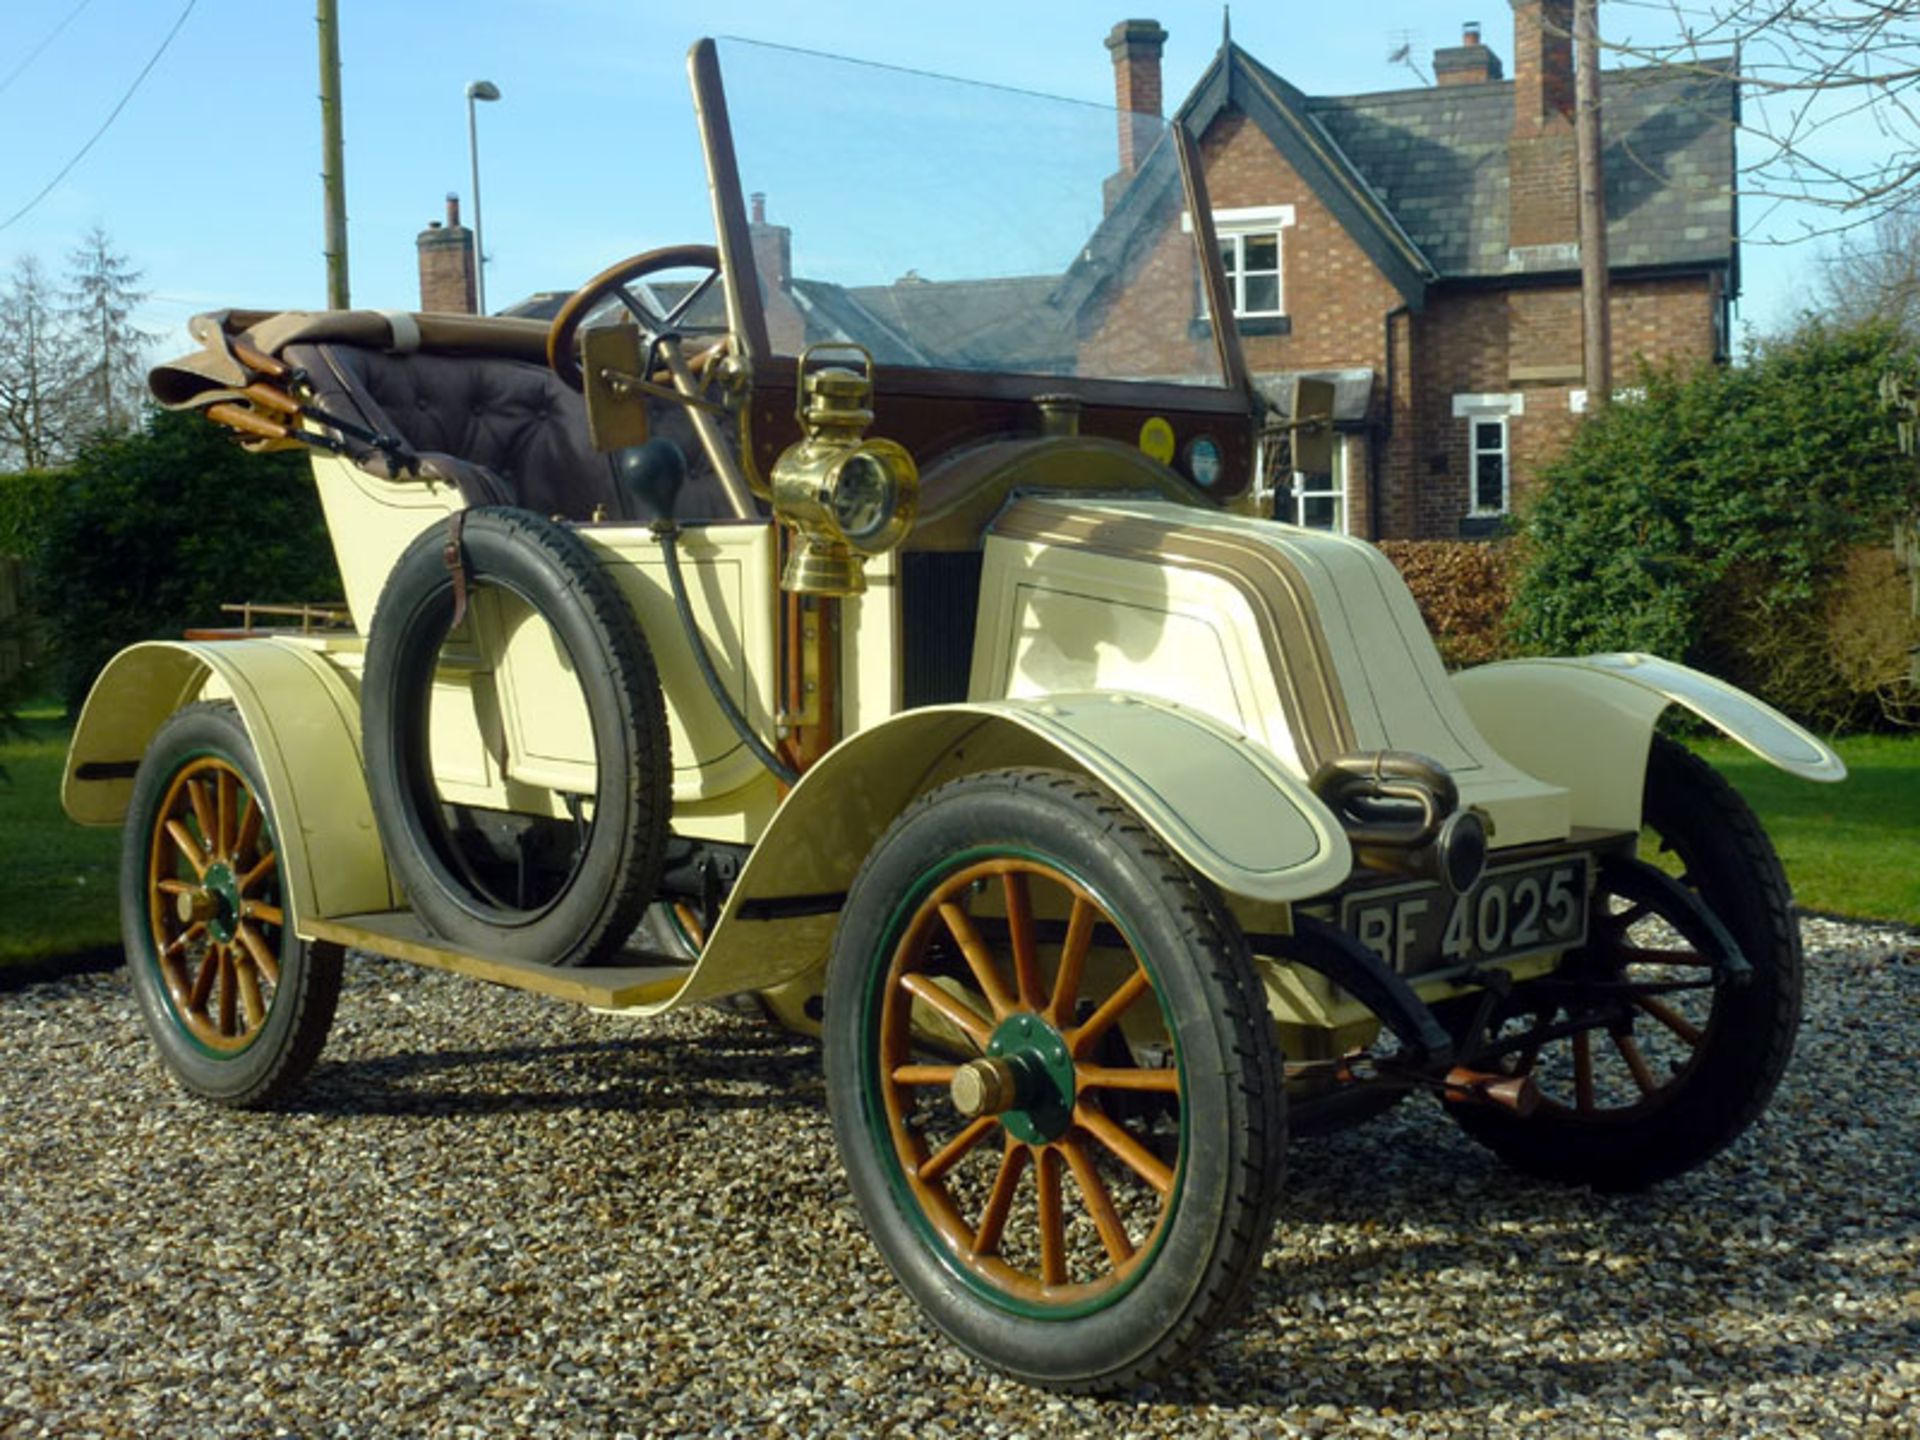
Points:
(478, 90)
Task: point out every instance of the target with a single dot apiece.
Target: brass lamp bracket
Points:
(845, 497)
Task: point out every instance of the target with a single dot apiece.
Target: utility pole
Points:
(333, 169)
(1595, 316)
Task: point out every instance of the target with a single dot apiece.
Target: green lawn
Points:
(1850, 849)
(57, 879)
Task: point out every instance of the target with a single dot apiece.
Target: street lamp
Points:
(478, 90)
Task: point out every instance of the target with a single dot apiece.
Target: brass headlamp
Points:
(845, 497)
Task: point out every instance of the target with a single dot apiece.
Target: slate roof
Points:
(1419, 177)
(1438, 158)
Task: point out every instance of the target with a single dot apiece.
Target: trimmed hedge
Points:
(1464, 589)
(1711, 520)
(149, 533)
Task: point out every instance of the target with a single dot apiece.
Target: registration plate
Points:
(1513, 912)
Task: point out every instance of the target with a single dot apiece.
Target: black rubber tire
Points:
(301, 1011)
(1232, 1110)
(1729, 863)
(599, 901)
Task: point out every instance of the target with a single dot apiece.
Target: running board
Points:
(400, 935)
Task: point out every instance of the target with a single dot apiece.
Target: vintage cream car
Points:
(918, 658)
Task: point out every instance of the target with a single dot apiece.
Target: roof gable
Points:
(1236, 81)
(1420, 178)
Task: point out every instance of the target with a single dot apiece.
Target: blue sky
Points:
(209, 178)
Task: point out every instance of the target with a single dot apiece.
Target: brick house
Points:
(1420, 248)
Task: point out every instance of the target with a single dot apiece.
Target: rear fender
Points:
(1587, 723)
(1219, 801)
(304, 720)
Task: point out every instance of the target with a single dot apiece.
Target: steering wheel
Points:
(616, 282)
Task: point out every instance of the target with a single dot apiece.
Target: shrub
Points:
(1710, 520)
(1464, 589)
(151, 532)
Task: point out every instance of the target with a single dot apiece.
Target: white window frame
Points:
(1495, 409)
(1339, 488)
(1233, 227)
(1476, 452)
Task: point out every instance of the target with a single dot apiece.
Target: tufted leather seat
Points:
(504, 431)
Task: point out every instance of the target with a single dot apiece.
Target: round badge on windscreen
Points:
(1203, 462)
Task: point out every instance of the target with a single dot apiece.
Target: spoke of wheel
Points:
(1645, 955)
(924, 1074)
(188, 847)
(986, 972)
(1053, 1220)
(1630, 917)
(1026, 957)
(266, 914)
(223, 807)
(203, 982)
(1636, 1062)
(178, 945)
(1670, 1017)
(250, 1001)
(261, 952)
(1583, 1070)
(1137, 1158)
(249, 829)
(1106, 1219)
(228, 997)
(1102, 1020)
(1073, 959)
(993, 1220)
(1163, 1081)
(176, 887)
(203, 812)
(956, 1149)
(952, 1008)
(262, 868)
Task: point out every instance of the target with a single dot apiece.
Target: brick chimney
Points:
(1469, 62)
(446, 264)
(1543, 202)
(773, 258)
(1136, 47)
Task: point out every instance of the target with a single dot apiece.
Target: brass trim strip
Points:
(1280, 597)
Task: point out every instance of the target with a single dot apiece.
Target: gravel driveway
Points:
(491, 1214)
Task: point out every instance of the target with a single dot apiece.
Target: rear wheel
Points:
(237, 1006)
(1655, 1053)
(1053, 1081)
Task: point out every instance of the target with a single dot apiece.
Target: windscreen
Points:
(950, 225)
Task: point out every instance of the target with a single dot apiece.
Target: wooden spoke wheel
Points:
(237, 1006)
(1033, 1160)
(1662, 1040)
(1053, 1081)
(213, 903)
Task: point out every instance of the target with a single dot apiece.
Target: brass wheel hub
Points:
(1026, 1078)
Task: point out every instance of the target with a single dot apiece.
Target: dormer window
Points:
(1253, 254)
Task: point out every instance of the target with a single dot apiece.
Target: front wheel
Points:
(1654, 1052)
(1053, 1081)
(235, 1003)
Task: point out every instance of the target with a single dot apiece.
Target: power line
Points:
(112, 115)
(14, 74)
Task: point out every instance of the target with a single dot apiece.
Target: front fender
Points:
(1586, 724)
(304, 720)
(1219, 801)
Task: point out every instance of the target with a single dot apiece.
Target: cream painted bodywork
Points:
(1586, 724)
(303, 714)
(1224, 806)
(1054, 618)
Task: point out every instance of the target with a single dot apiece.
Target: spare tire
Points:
(565, 891)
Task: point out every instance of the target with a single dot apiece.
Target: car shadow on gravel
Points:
(740, 1071)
